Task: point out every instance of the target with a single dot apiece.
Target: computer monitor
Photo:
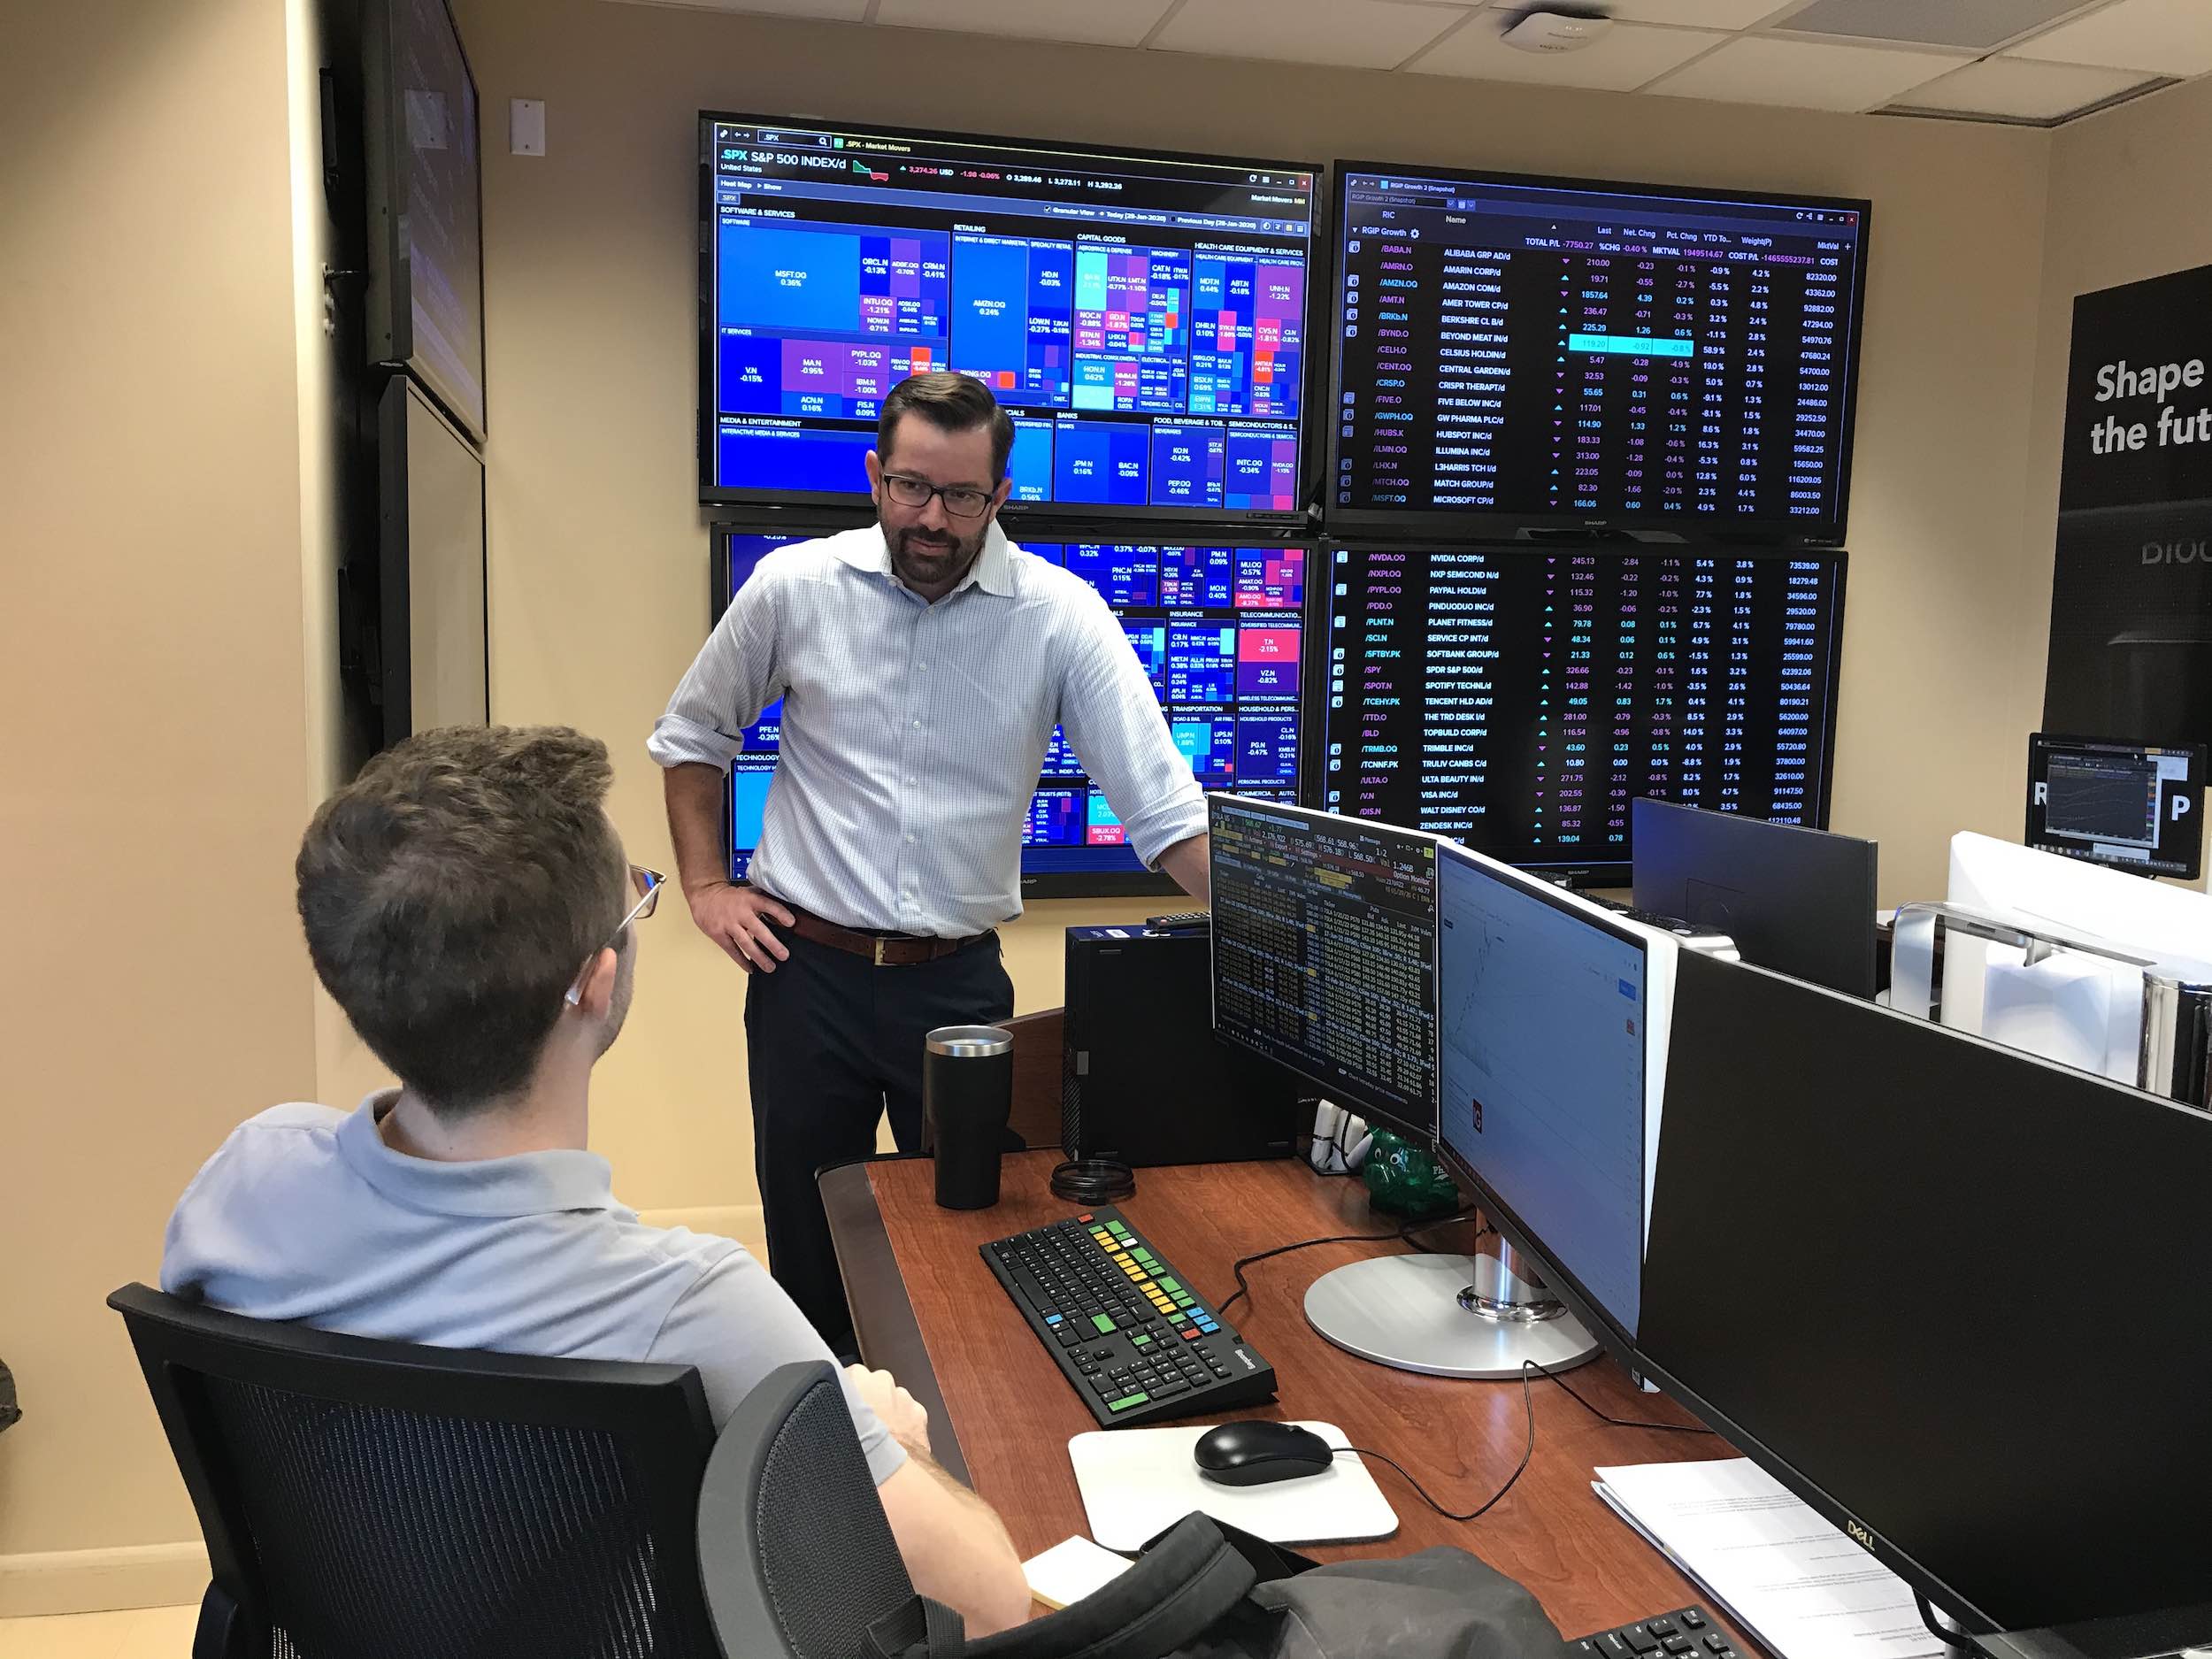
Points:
(2071, 896)
(1141, 315)
(430, 577)
(1799, 900)
(1325, 953)
(1854, 1275)
(1551, 1037)
(1517, 699)
(2127, 806)
(1522, 353)
(1220, 630)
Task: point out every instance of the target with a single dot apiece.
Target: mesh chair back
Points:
(799, 1559)
(362, 1499)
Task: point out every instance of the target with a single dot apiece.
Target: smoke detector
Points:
(1556, 31)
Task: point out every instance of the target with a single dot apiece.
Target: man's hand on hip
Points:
(737, 918)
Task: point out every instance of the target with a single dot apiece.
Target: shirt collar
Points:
(993, 571)
(527, 1184)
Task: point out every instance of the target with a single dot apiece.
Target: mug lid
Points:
(969, 1041)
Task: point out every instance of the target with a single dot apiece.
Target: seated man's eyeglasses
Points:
(647, 883)
(962, 501)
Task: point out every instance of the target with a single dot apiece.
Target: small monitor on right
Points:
(1798, 901)
(2130, 806)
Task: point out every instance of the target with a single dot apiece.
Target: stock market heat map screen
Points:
(1324, 952)
(1142, 316)
(1220, 630)
(1553, 353)
(1517, 700)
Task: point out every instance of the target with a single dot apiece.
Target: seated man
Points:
(467, 904)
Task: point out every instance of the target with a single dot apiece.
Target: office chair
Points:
(363, 1498)
(799, 1561)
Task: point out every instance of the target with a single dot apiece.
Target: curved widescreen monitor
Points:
(1142, 315)
(1524, 353)
(1220, 631)
(1517, 699)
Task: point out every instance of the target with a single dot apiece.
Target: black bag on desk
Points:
(1202, 1590)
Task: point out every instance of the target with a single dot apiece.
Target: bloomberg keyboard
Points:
(1692, 1631)
(1124, 1327)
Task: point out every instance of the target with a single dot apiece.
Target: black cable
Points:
(1951, 1639)
(1618, 1423)
(1528, 1407)
(1243, 1292)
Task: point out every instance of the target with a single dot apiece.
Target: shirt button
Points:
(917, 722)
(921, 668)
(909, 840)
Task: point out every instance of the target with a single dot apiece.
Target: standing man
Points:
(923, 662)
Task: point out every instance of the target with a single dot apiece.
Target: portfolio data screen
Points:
(1142, 317)
(1219, 632)
(1517, 700)
(1544, 352)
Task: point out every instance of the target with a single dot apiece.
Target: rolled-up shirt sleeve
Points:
(1114, 721)
(733, 679)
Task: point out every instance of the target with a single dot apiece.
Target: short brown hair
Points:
(950, 402)
(452, 892)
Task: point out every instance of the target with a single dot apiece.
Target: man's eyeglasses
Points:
(647, 883)
(962, 501)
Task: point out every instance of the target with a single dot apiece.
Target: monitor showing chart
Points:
(1542, 1030)
(1142, 316)
(1324, 952)
(1537, 351)
(1518, 699)
(1220, 630)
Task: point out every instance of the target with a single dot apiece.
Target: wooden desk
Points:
(928, 1309)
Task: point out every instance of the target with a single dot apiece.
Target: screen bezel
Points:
(1388, 1115)
(2042, 745)
(1050, 884)
(1583, 872)
(1663, 529)
(1615, 1337)
(395, 684)
(390, 325)
(1294, 523)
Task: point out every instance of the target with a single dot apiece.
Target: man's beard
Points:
(923, 559)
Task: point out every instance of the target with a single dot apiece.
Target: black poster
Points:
(2132, 596)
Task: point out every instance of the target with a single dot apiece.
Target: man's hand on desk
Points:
(737, 918)
(906, 1417)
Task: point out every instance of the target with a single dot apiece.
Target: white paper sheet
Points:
(1794, 1584)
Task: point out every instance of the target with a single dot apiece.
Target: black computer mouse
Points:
(1253, 1454)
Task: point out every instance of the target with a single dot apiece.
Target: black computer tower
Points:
(1143, 1078)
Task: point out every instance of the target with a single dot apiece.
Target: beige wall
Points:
(151, 700)
(2128, 199)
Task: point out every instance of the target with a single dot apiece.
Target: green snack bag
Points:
(1404, 1180)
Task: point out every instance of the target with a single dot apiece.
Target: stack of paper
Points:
(1792, 1582)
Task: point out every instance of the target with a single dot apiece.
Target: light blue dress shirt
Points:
(914, 734)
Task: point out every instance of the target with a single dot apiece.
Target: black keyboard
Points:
(1692, 1631)
(1136, 1340)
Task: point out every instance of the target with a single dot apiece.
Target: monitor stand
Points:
(1447, 1316)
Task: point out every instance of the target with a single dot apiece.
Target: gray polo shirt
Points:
(305, 1214)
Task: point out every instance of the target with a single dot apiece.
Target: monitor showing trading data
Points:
(1219, 629)
(1556, 352)
(1517, 700)
(1142, 316)
(1542, 1030)
(1324, 952)
(2133, 806)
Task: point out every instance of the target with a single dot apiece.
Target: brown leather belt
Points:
(886, 951)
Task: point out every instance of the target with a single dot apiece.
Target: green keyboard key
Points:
(1146, 1256)
(1105, 1325)
(1167, 1284)
(1141, 1341)
(1117, 1229)
(1125, 1402)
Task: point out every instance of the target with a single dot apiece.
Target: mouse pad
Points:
(1137, 1483)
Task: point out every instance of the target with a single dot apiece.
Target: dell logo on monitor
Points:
(1859, 1534)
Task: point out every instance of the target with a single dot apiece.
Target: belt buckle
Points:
(880, 942)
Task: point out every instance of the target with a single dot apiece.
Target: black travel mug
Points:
(967, 1094)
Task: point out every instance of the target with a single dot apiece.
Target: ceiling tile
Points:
(2159, 37)
(2022, 90)
(1804, 74)
(1980, 24)
(1620, 60)
(1707, 14)
(1360, 33)
(1092, 22)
